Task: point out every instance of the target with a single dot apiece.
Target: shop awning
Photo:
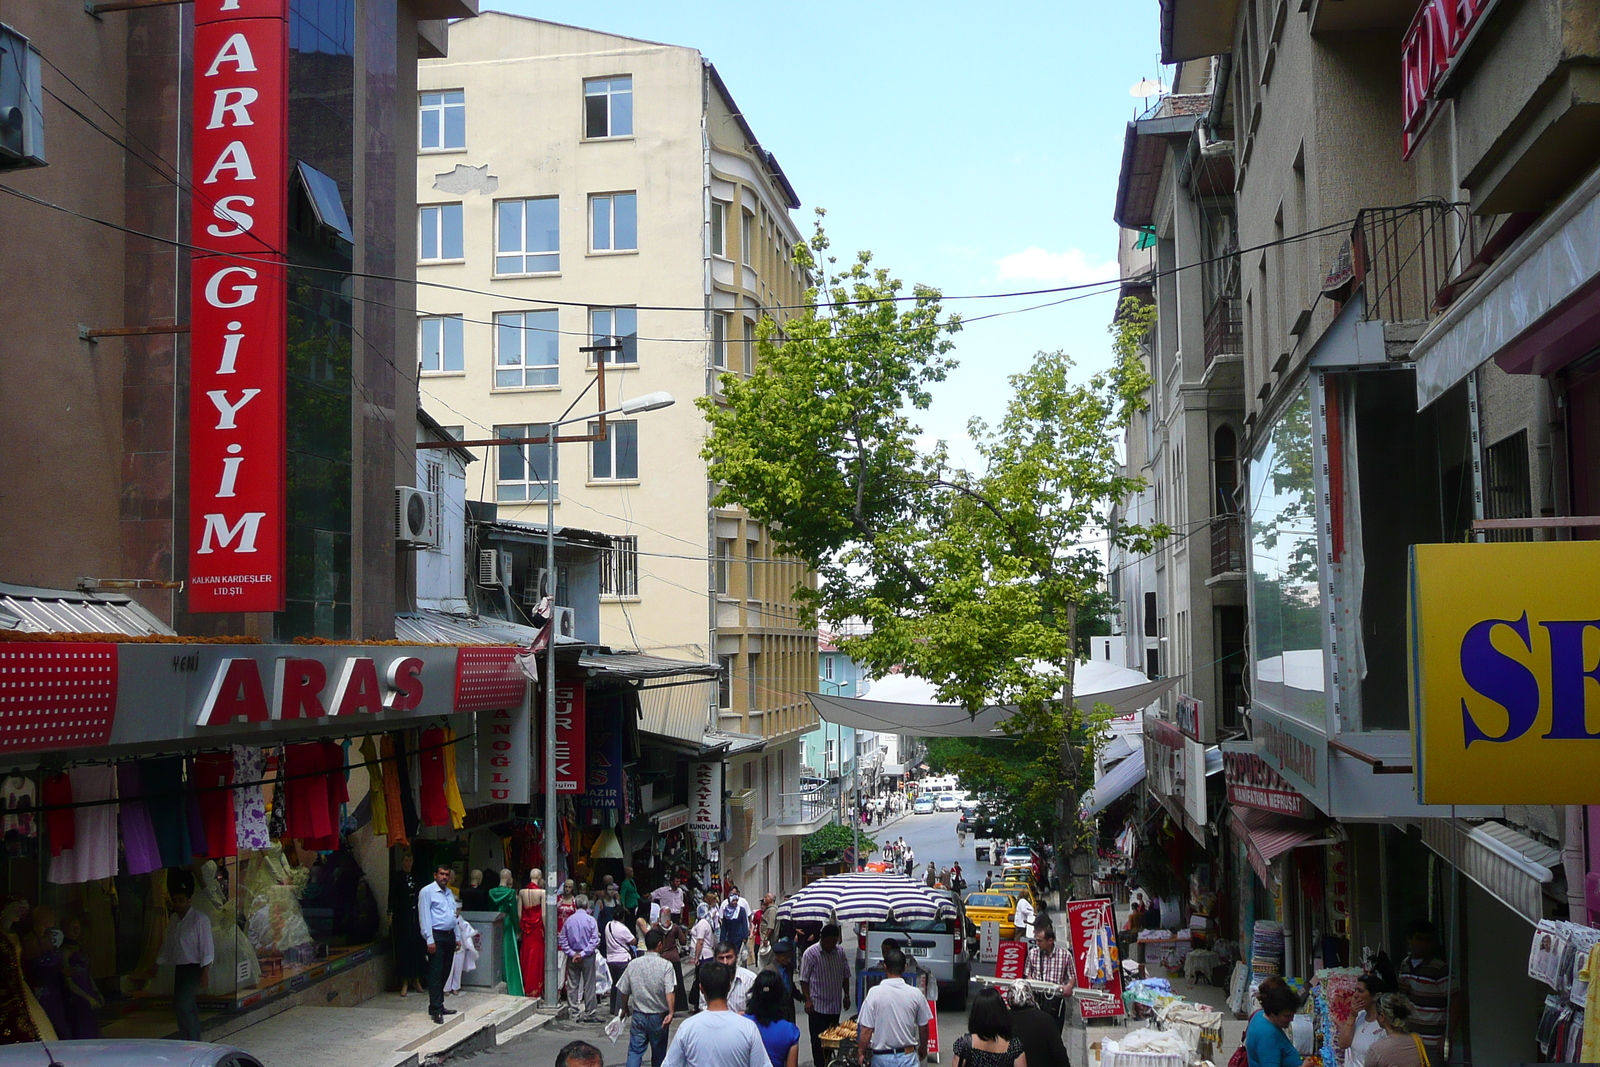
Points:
(634, 666)
(671, 819)
(1268, 836)
(1509, 865)
(44, 611)
(427, 626)
(1114, 784)
(894, 770)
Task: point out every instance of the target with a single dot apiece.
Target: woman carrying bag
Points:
(618, 939)
(1265, 1043)
(1398, 1047)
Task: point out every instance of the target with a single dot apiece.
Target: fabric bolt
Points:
(249, 808)
(452, 787)
(306, 787)
(94, 852)
(213, 778)
(191, 811)
(163, 785)
(431, 759)
(375, 790)
(139, 848)
(60, 821)
(394, 817)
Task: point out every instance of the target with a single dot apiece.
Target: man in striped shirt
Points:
(825, 981)
(1425, 978)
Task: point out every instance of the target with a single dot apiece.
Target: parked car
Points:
(969, 804)
(985, 906)
(126, 1052)
(947, 802)
(939, 947)
(923, 806)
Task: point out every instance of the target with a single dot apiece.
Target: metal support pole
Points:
(550, 858)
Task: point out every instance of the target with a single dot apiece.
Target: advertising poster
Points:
(1092, 926)
(1013, 957)
(605, 755)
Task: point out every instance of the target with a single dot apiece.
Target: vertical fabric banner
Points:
(605, 783)
(238, 306)
(705, 796)
(505, 746)
(1092, 926)
(571, 738)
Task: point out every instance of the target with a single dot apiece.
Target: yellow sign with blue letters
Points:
(1505, 672)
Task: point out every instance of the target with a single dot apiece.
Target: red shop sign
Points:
(571, 733)
(1252, 783)
(1012, 960)
(238, 305)
(1092, 927)
(1427, 52)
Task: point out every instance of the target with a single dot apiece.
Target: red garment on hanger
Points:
(307, 785)
(60, 822)
(435, 809)
(213, 781)
(338, 793)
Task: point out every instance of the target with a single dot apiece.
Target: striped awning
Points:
(868, 897)
(1511, 866)
(1268, 836)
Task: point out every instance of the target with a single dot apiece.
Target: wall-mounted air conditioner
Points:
(21, 103)
(566, 623)
(416, 518)
(494, 567)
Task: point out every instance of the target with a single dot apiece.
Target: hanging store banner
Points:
(705, 797)
(238, 331)
(1187, 715)
(1504, 703)
(1252, 783)
(1163, 762)
(505, 745)
(1092, 929)
(571, 738)
(605, 783)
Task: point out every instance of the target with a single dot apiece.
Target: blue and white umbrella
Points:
(869, 896)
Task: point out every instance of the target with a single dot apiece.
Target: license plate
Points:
(916, 951)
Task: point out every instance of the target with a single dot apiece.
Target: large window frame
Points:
(520, 475)
(614, 222)
(619, 568)
(441, 343)
(527, 350)
(440, 237)
(527, 236)
(616, 459)
(442, 118)
(608, 107)
(608, 324)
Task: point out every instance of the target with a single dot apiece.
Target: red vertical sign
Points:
(238, 304)
(571, 733)
(1092, 926)
(1012, 961)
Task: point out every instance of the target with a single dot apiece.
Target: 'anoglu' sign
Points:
(1505, 672)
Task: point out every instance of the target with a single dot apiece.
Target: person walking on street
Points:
(436, 913)
(825, 982)
(628, 891)
(704, 939)
(187, 947)
(648, 993)
(717, 1037)
(1398, 1047)
(744, 979)
(1038, 1030)
(1023, 919)
(618, 938)
(892, 1025)
(674, 939)
(767, 928)
(670, 898)
(782, 965)
(736, 925)
(1265, 1043)
(578, 940)
(778, 1033)
(1047, 963)
(989, 1041)
(932, 877)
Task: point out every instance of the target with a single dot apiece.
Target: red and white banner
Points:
(238, 303)
(1092, 926)
(572, 732)
(1012, 959)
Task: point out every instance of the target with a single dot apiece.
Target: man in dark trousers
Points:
(436, 912)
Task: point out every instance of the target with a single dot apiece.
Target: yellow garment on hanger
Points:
(380, 816)
(1591, 1008)
(452, 789)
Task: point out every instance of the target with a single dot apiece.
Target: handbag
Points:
(1241, 1057)
(1422, 1050)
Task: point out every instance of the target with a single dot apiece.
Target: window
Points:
(725, 682)
(458, 432)
(522, 474)
(529, 241)
(614, 222)
(747, 238)
(617, 457)
(827, 668)
(753, 681)
(527, 349)
(1150, 615)
(619, 568)
(443, 120)
(440, 237)
(724, 557)
(830, 754)
(749, 344)
(719, 341)
(751, 554)
(719, 228)
(608, 106)
(1508, 490)
(610, 325)
(440, 344)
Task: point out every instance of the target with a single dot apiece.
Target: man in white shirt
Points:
(670, 898)
(717, 1037)
(436, 913)
(743, 977)
(1023, 919)
(703, 945)
(892, 1025)
(187, 946)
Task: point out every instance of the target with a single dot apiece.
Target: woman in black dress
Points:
(410, 950)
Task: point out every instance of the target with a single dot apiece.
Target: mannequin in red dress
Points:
(530, 902)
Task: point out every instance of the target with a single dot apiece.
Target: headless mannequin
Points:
(533, 895)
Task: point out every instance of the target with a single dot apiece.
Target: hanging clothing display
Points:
(249, 808)
(93, 854)
(393, 816)
(163, 786)
(17, 792)
(532, 961)
(60, 821)
(452, 788)
(198, 845)
(407, 799)
(375, 791)
(139, 848)
(504, 899)
(334, 793)
(306, 789)
(213, 777)
(22, 1018)
(431, 758)
(1590, 973)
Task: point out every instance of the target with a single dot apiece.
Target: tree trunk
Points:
(1070, 881)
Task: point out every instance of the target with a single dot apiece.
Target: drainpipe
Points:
(1572, 858)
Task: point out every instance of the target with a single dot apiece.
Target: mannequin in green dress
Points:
(504, 898)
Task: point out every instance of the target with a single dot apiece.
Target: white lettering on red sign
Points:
(238, 301)
(1427, 52)
(298, 686)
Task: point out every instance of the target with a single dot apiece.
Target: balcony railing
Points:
(1224, 329)
(1400, 257)
(1227, 545)
(800, 809)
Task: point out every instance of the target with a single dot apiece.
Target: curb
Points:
(482, 1035)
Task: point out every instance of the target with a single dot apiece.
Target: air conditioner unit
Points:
(416, 518)
(566, 623)
(21, 103)
(494, 567)
(535, 590)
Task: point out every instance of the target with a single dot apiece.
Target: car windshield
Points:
(923, 926)
(989, 900)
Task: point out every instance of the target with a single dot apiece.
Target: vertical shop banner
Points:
(1011, 960)
(1092, 926)
(238, 306)
(505, 746)
(705, 796)
(571, 738)
(605, 783)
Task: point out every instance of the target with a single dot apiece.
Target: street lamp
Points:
(647, 402)
(855, 781)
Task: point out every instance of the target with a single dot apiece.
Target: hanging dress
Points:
(249, 806)
(431, 795)
(375, 793)
(410, 950)
(452, 788)
(93, 854)
(504, 899)
(213, 778)
(139, 846)
(533, 949)
(393, 814)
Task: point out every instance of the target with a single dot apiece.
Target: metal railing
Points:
(1227, 545)
(1401, 257)
(1224, 328)
(808, 807)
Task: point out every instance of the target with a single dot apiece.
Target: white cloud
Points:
(1071, 266)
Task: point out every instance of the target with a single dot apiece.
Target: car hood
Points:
(128, 1052)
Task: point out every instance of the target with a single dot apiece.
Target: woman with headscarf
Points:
(1037, 1029)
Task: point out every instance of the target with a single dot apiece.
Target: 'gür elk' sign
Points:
(238, 305)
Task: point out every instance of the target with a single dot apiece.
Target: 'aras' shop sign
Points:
(1505, 705)
(1428, 51)
(238, 305)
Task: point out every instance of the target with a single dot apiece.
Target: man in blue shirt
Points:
(436, 912)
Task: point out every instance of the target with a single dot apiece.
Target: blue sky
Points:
(972, 147)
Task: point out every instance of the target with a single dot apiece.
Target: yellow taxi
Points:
(991, 906)
(1015, 889)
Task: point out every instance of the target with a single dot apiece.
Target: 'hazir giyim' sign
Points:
(238, 303)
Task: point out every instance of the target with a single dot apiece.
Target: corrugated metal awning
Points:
(57, 611)
(1114, 784)
(1509, 865)
(429, 627)
(638, 667)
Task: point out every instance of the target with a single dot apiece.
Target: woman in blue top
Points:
(1265, 1043)
(779, 1035)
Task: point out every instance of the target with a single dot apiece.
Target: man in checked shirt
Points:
(1047, 963)
(825, 982)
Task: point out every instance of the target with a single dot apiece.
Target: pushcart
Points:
(843, 1051)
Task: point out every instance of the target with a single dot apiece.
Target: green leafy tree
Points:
(829, 845)
(972, 580)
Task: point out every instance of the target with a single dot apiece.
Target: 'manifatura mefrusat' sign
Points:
(1505, 672)
(238, 306)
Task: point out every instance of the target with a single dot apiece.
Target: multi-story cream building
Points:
(575, 189)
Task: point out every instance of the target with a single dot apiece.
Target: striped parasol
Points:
(866, 897)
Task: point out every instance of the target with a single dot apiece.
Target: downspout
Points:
(713, 722)
(1572, 858)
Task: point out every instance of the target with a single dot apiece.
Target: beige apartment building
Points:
(579, 188)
